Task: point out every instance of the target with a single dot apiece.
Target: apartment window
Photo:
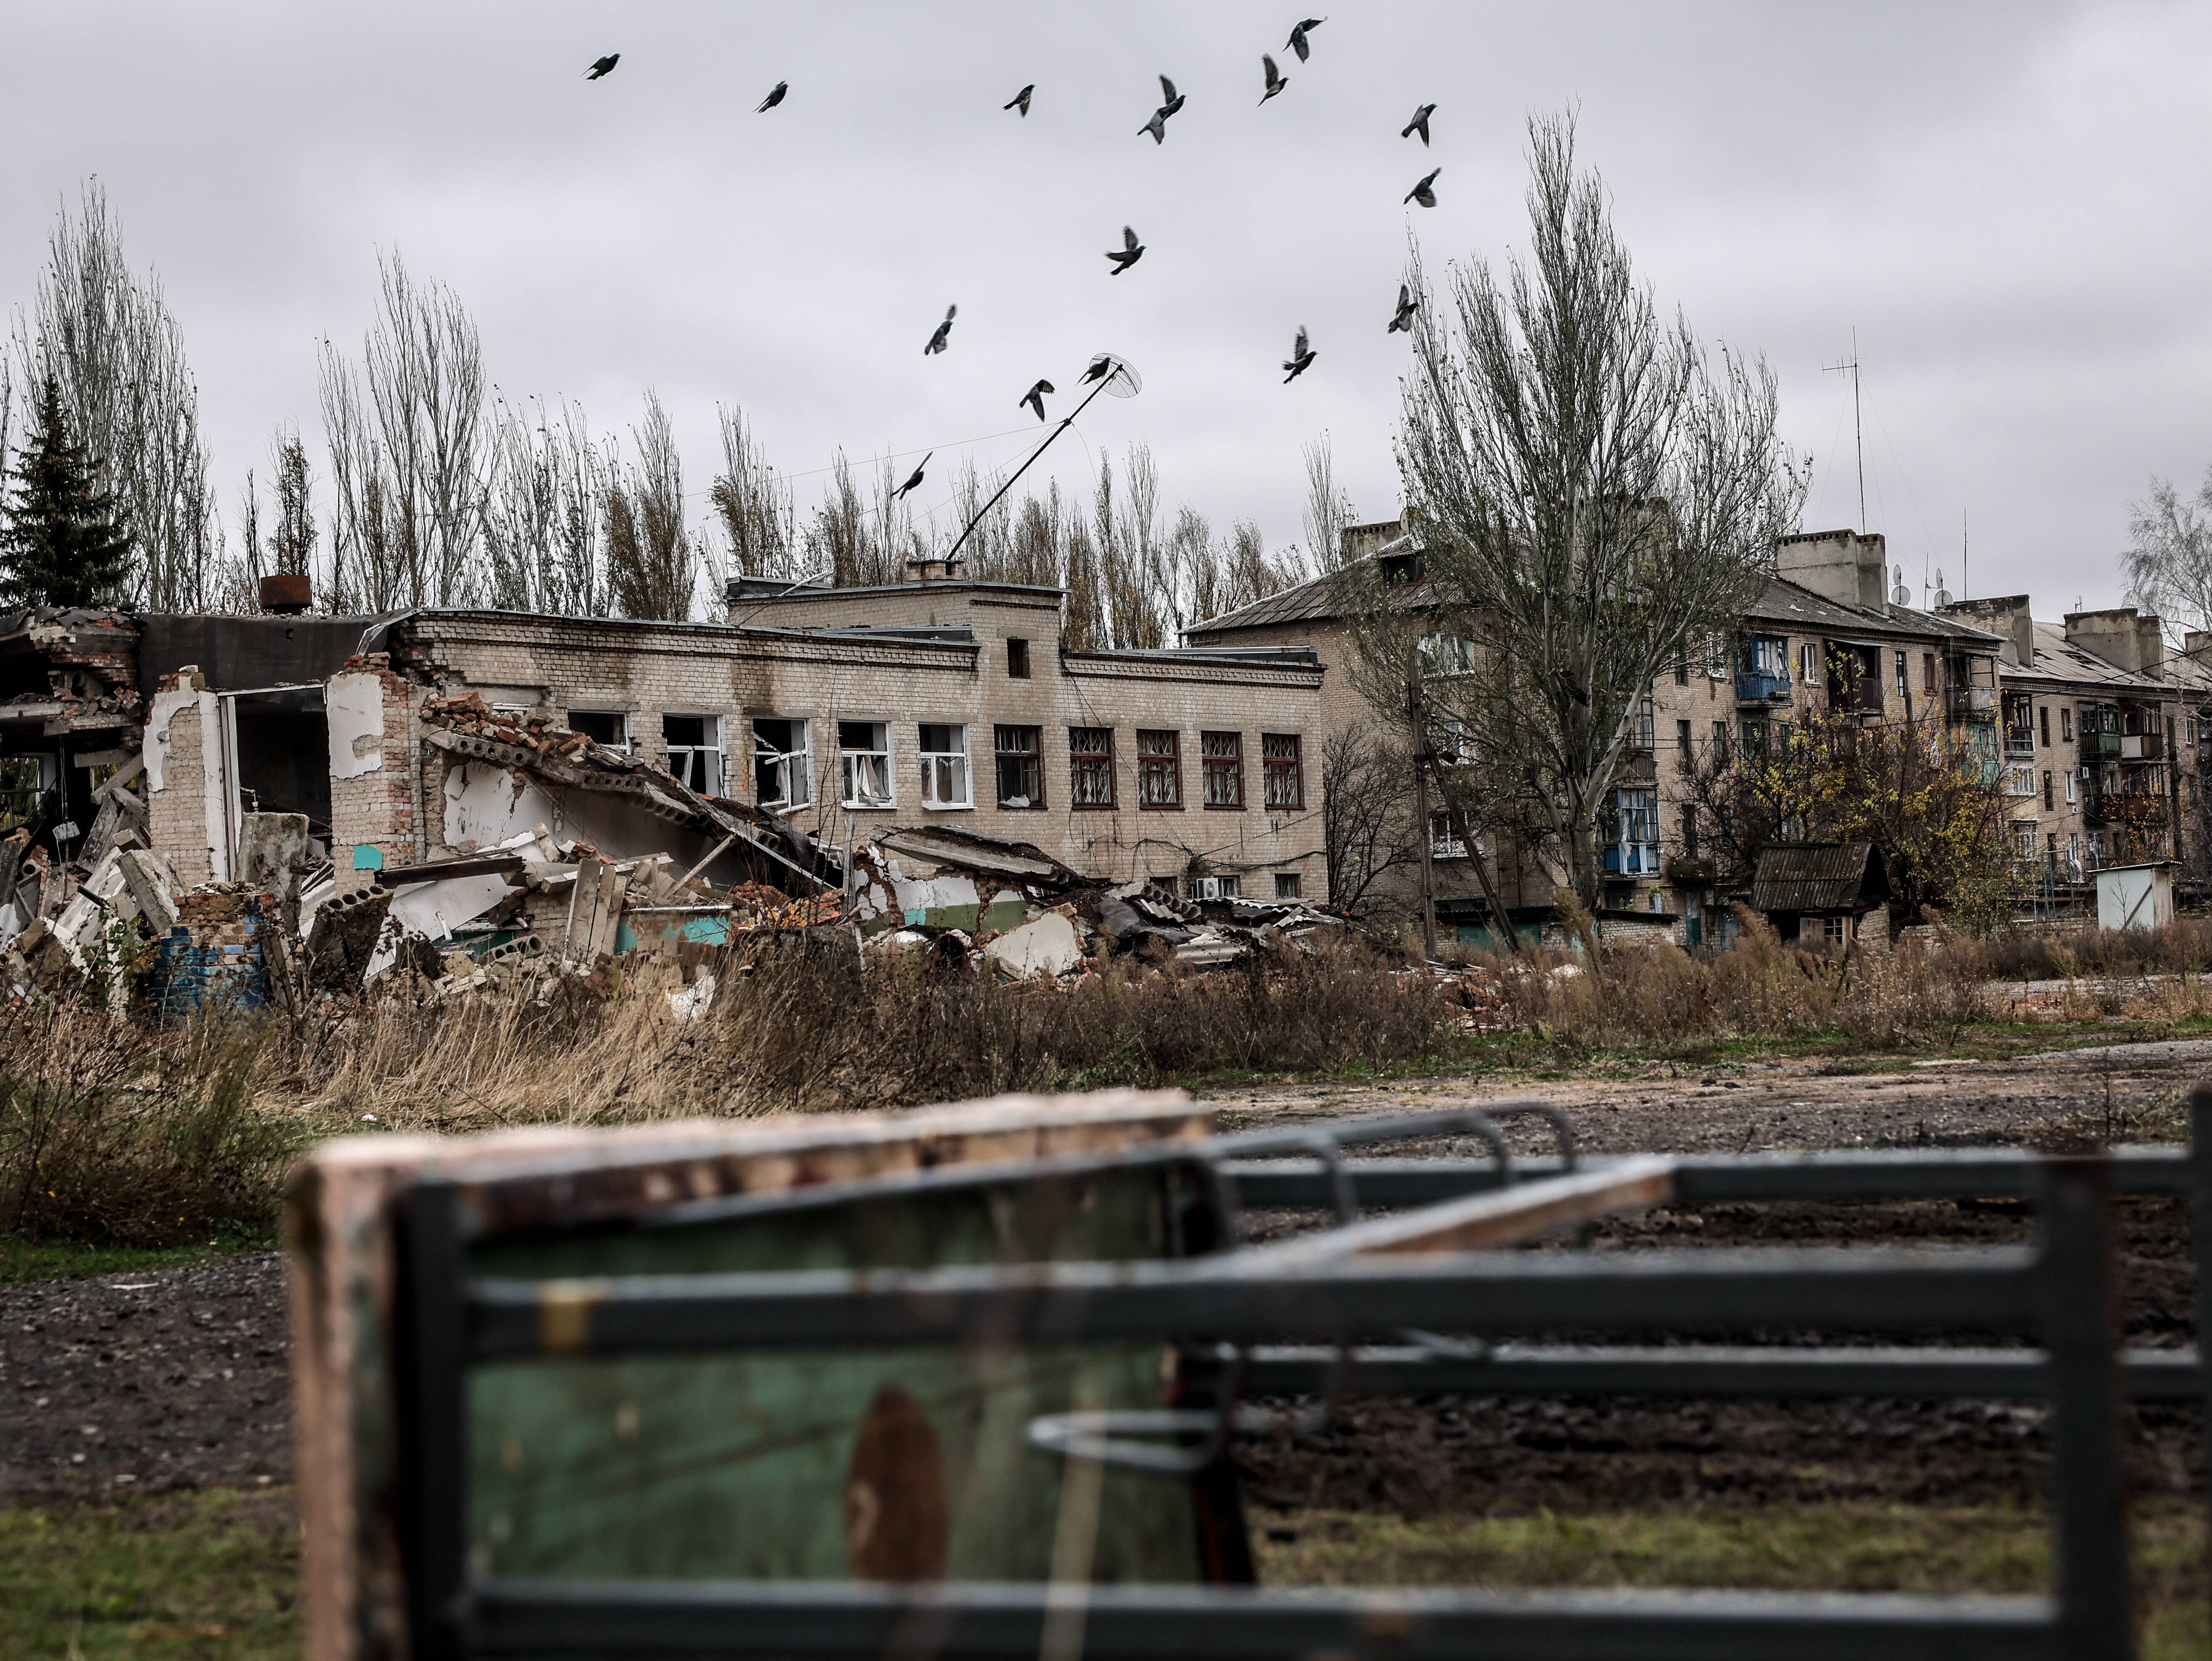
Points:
(1927, 673)
(783, 767)
(1903, 688)
(2049, 796)
(1445, 840)
(1720, 740)
(1808, 663)
(1682, 740)
(1643, 733)
(1221, 764)
(1018, 753)
(1091, 766)
(2019, 782)
(2070, 777)
(1289, 886)
(1682, 672)
(1446, 654)
(1690, 831)
(1286, 773)
(1159, 767)
(2065, 724)
(694, 750)
(2043, 716)
(1636, 851)
(1018, 659)
(943, 751)
(863, 763)
(607, 726)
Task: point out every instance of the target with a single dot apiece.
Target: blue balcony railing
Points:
(1757, 686)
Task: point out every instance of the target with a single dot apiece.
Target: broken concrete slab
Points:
(977, 851)
(1046, 945)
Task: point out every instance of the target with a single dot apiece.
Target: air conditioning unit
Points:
(1206, 888)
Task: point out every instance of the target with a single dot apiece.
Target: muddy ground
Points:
(175, 1378)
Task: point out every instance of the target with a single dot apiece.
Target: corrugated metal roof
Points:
(1819, 876)
(1313, 600)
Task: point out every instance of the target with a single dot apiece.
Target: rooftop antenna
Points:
(1858, 430)
(1900, 595)
(1962, 553)
(1943, 595)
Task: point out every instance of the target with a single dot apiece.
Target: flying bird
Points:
(944, 332)
(1403, 323)
(1420, 125)
(1298, 36)
(1100, 366)
(1020, 101)
(1421, 192)
(1158, 126)
(1302, 355)
(1035, 396)
(1172, 99)
(913, 482)
(1275, 83)
(1128, 254)
(773, 98)
(601, 66)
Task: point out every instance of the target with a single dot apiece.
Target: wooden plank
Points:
(341, 1270)
(1500, 1217)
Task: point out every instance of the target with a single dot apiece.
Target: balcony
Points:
(1758, 686)
(2140, 746)
(1862, 695)
(1971, 702)
(2019, 746)
(1633, 859)
(1692, 870)
(2100, 746)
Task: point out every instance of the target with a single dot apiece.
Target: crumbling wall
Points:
(184, 806)
(374, 774)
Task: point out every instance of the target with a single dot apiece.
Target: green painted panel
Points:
(1005, 915)
(625, 938)
(767, 1464)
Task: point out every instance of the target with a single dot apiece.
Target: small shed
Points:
(2135, 896)
(1823, 892)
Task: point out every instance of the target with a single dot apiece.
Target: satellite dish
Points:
(1900, 595)
(1124, 381)
(1943, 595)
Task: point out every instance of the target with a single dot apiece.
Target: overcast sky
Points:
(2006, 201)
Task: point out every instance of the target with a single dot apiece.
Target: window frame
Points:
(1276, 768)
(621, 718)
(715, 746)
(883, 755)
(1094, 766)
(803, 753)
(1222, 767)
(1290, 884)
(1032, 758)
(1156, 767)
(1017, 658)
(932, 760)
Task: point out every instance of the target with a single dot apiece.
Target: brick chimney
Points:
(2009, 616)
(2121, 636)
(1838, 565)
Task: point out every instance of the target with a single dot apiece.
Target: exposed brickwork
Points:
(379, 808)
(176, 814)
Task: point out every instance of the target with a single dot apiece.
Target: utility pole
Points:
(1418, 719)
(1858, 429)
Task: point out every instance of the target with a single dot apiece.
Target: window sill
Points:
(1095, 807)
(869, 807)
(1021, 807)
(1225, 807)
(948, 807)
(1159, 807)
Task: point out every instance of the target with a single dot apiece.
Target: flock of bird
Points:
(1132, 250)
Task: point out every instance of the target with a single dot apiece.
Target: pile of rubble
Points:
(529, 909)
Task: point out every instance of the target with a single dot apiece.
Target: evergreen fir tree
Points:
(65, 543)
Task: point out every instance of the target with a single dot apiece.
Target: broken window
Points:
(1444, 840)
(22, 785)
(1017, 658)
(1091, 766)
(607, 726)
(1285, 782)
(1159, 767)
(783, 764)
(694, 750)
(1288, 886)
(944, 766)
(1635, 851)
(1446, 654)
(863, 763)
(1019, 754)
(1221, 757)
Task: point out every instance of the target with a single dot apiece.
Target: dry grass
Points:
(2184, 946)
(1640, 994)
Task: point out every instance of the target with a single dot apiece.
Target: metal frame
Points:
(1351, 1307)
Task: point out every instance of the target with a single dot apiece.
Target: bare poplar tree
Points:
(408, 463)
(113, 346)
(1594, 495)
(652, 569)
(1328, 509)
(1367, 820)
(2168, 563)
(292, 538)
(544, 514)
(752, 506)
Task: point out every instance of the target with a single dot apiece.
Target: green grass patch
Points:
(56, 1260)
(184, 1577)
(1839, 1546)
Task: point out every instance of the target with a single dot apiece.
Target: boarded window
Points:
(1221, 757)
(1017, 752)
(1286, 774)
(1159, 767)
(1091, 766)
